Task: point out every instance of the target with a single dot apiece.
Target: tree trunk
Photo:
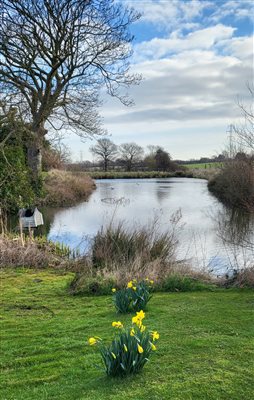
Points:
(34, 152)
(34, 159)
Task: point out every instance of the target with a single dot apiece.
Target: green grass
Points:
(205, 350)
(204, 165)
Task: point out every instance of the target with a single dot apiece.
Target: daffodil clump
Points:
(134, 297)
(130, 349)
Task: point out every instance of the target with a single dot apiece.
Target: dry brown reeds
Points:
(18, 251)
(66, 188)
(243, 278)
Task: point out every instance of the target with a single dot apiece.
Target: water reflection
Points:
(210, 236)
(236, 227)
(162, 191)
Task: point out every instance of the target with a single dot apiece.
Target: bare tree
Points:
(245, 132)
(130, 153)
(104, 150)
(54, 58)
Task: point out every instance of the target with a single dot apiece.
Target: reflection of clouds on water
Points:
(75, 242)
(141, 202)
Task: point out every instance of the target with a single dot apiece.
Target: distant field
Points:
(204, 165)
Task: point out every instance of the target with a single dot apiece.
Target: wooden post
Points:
(21, 231)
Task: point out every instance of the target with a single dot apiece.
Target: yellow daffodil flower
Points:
(138, 318)
(92, 341)
(129, 285)
(155, 335)
(125, 348)
(141, 315)
(134, 288)
(132, 332)
(113, 355)
(117, 324)
(142, 328)
(152, 282)
(140, 349)
(153, 347)
(136, 321)
(113, 290)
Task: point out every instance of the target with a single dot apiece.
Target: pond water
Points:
(210, 236)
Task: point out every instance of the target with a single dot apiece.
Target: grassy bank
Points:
(64, 188)
(200, 173)
(136, 174)
(204, 352)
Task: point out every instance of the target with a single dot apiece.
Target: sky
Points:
(196, 59)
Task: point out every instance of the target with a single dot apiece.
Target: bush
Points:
(134, 297)
(130, 349)
(15, 185)
(234, 185)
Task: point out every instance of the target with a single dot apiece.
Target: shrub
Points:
(234, 185)
(15, 184)
(130, 348)
(134, 297)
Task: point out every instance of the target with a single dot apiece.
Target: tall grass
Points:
(24, 251)
(64, 188)
(117, 248)
(122, 246)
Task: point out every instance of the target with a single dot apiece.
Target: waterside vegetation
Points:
(65, 188)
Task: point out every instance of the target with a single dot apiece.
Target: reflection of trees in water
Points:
(162, 192)
(235, 227)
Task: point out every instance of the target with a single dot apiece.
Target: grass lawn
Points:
(204, 165)
(205, 351)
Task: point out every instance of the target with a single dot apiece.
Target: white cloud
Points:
(240, 47)
(169, 14)
(233, 8)
(200, 39)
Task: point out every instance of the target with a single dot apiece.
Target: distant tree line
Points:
(127, 156)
